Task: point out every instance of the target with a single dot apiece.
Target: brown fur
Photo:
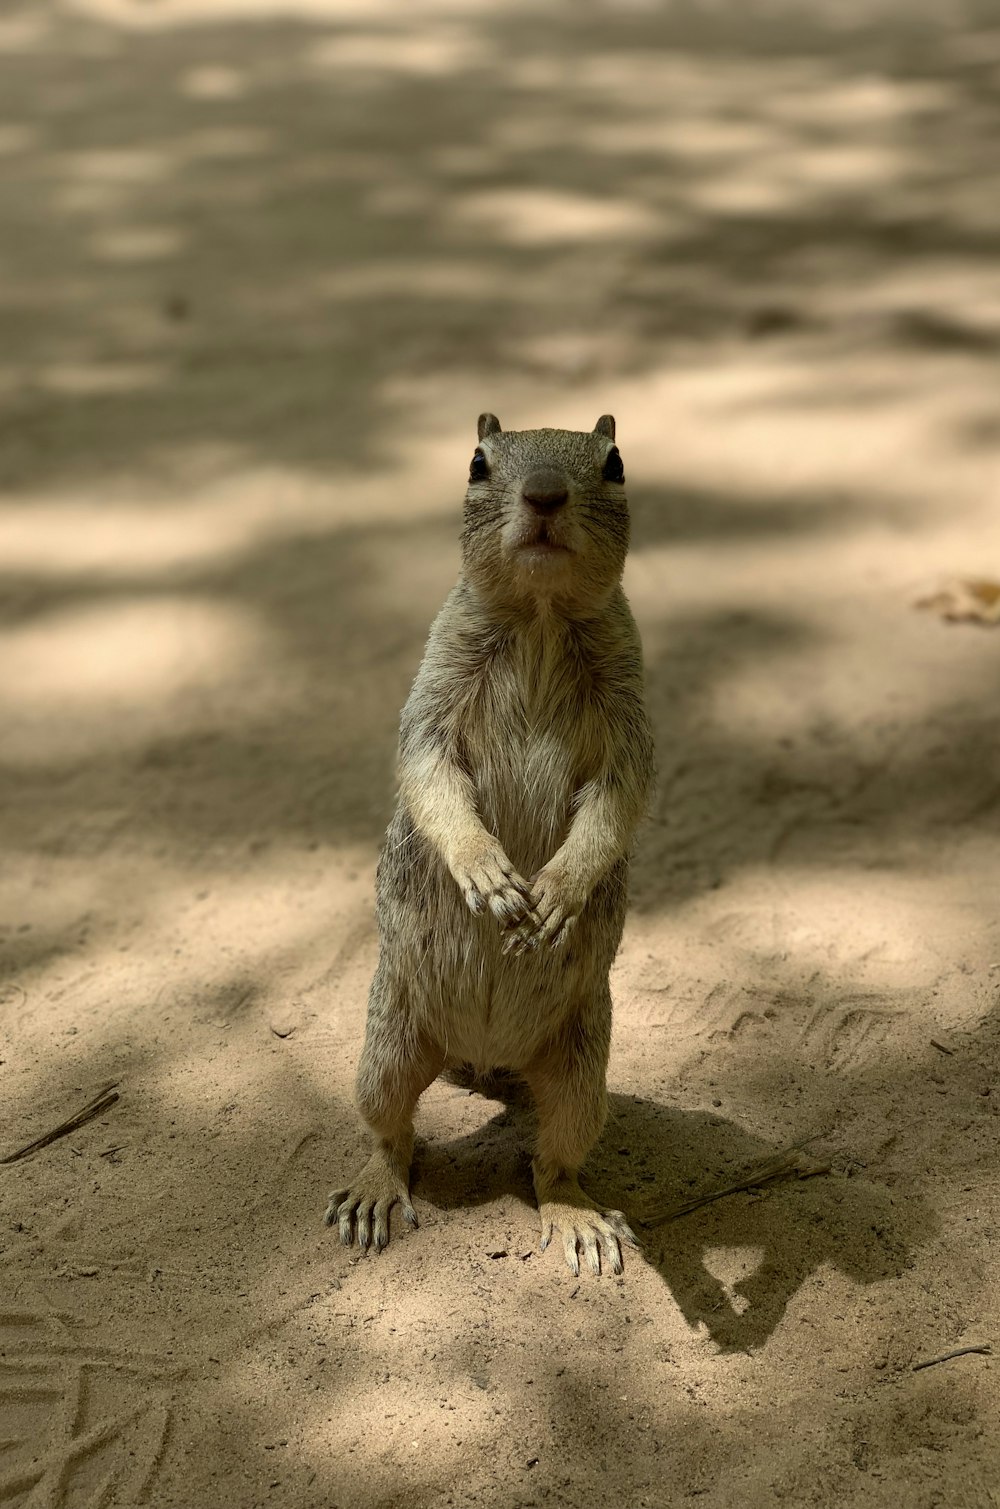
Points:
(524, 752)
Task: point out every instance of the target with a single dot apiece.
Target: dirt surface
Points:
(261, 266)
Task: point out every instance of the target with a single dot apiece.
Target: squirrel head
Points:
(546, 517)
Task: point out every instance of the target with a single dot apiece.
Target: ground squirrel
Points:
(525, 751)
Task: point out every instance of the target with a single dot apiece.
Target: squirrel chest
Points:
(526, 737)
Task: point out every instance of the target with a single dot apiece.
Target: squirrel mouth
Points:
(541, 542)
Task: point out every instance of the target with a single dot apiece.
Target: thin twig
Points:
(783, 1162)
(101, 1102)
(942, 1048)
(982, 1347)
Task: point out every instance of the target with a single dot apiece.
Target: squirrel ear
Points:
(489, 424)
(605, 426)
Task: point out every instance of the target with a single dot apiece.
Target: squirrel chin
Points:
(542, 562)
(543, 549)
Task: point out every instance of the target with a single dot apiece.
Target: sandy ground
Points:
(261, 265)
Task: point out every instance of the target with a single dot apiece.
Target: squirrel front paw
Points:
(557, 901)
(487, 878)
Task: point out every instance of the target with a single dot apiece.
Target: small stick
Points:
(941, 1047)
(101, 1102)
(783, 1162)
(983, 1347)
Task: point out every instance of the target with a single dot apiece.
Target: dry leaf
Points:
(965, 599)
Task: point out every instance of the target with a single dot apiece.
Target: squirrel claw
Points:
(490, 881)
(524, 937)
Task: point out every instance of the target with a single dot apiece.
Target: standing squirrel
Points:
(525, 760)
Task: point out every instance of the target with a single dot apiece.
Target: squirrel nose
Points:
(544, 491)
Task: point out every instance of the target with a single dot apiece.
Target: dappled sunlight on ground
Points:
(262, 265)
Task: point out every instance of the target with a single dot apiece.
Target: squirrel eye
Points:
(479, 470)
(614, 471)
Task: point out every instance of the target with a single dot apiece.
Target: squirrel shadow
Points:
(654, 1157)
